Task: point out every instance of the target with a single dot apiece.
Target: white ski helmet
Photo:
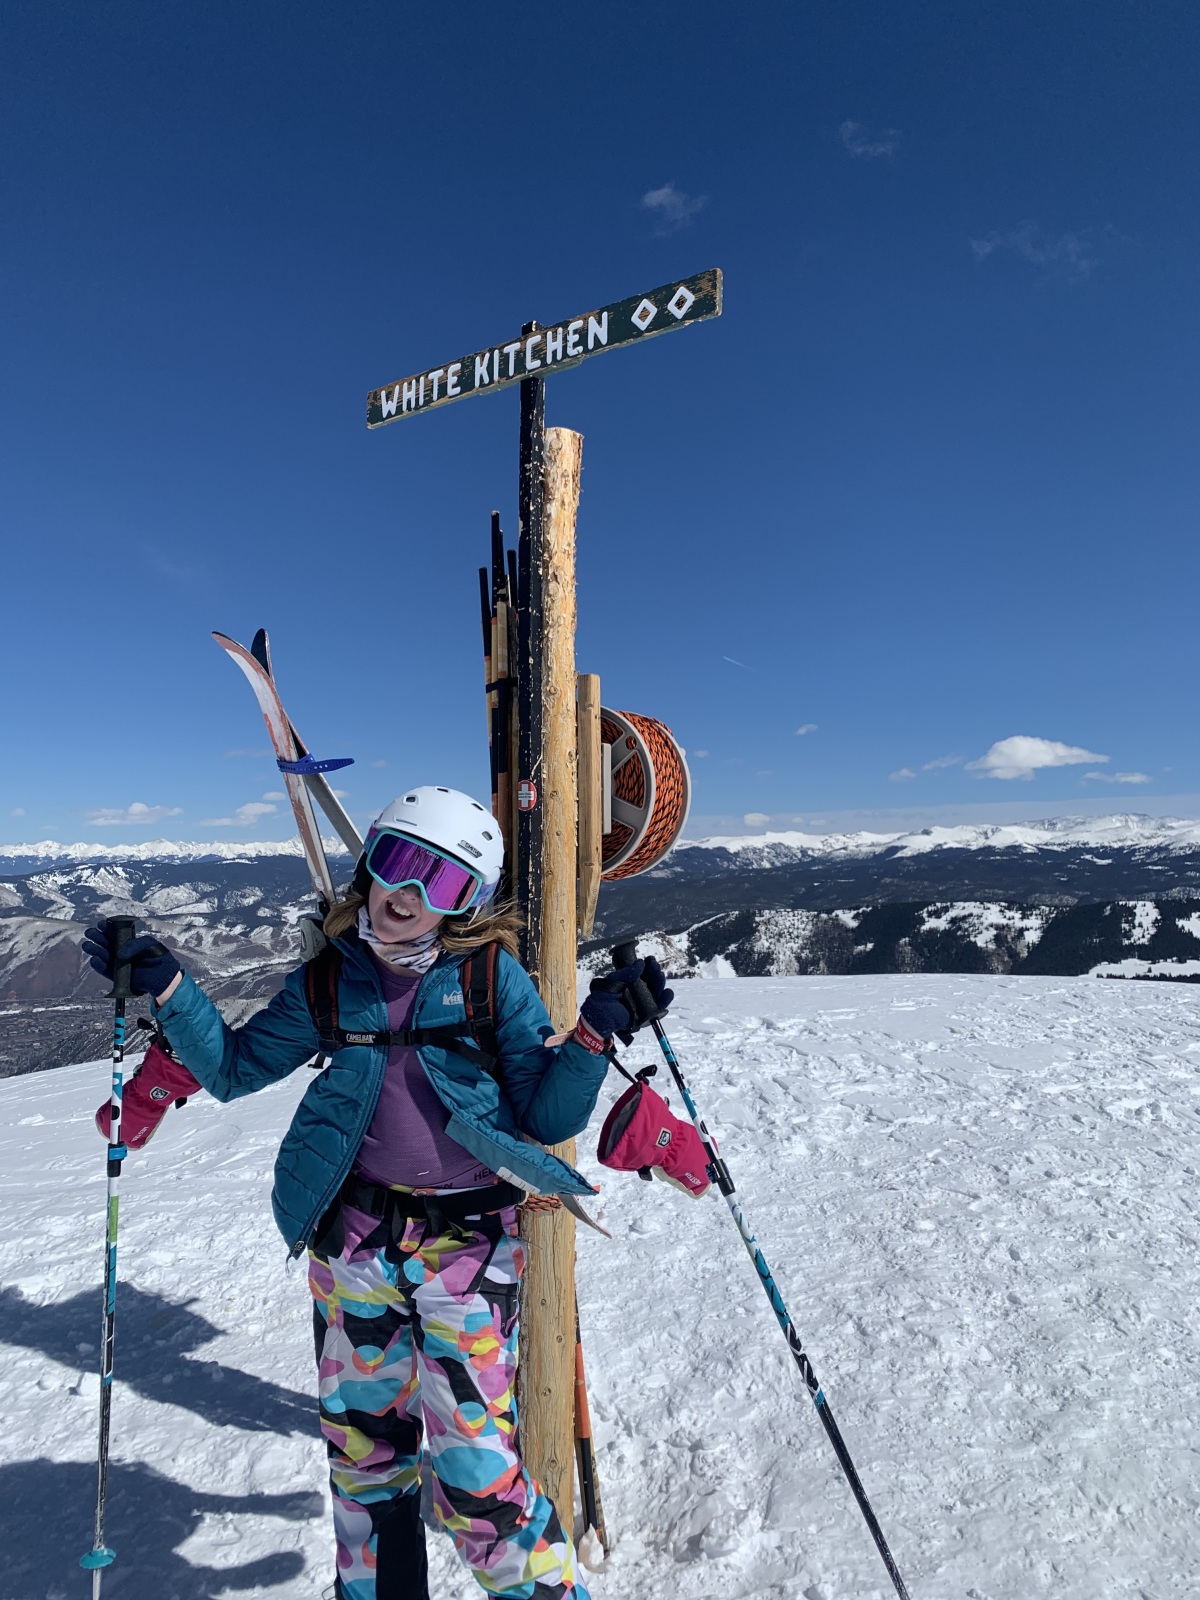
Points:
(452, 823)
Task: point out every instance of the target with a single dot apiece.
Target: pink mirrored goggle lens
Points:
(447, 886)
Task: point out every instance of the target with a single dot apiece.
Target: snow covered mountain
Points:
(1063, 861)
(977, 1194)
(1122, 833)
(1121, 939)
(21, 858)
(234, 922)
(1027, 899)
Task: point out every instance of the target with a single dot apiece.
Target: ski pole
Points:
(120, 931)
(648, 1011)
(594, 1529)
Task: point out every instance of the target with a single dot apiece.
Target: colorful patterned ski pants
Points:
(419, 1336)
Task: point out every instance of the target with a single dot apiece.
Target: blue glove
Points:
(153, 965)
(611, 1008)
(655, 980)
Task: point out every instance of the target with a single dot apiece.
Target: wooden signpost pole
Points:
(547, 1365)
(559, 932)
(539, 664)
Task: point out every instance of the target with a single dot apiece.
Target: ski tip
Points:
(101, 1556)
(573, 1206)
(260, 649)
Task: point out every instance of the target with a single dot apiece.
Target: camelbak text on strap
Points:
(475, 1039)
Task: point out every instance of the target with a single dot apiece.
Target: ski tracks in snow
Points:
(978, 1195)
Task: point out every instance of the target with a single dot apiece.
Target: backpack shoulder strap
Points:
(322, 976)
(479, 1001)
(476, 1039)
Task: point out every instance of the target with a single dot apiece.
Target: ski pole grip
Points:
(120, 931)
(643, 1002)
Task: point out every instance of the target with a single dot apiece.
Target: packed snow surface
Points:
(979, 1196)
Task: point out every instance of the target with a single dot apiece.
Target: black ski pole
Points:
(120, 931)
(647, 1011)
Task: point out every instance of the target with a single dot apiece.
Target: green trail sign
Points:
(539, 353)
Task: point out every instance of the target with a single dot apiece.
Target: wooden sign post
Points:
(547, 1365)
(553, 823)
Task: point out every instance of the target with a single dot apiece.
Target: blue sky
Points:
(929, 485)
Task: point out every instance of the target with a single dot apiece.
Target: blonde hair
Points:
(502, 925)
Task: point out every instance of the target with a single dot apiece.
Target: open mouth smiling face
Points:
(399, 915)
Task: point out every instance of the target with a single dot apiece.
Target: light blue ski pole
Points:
(120, 931)
(648, 1011)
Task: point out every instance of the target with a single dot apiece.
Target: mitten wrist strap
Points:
(589, 1038)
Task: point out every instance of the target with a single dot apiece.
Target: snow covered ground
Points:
(979, 1195)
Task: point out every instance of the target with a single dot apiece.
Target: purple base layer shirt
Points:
(407, 1143)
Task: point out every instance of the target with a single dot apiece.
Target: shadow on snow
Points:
(153, 1337)
(46, 1523)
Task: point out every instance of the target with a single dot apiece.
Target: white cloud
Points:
(1119, 777)
(1066, 256)
(274, 794)
(136, 815)
(253, 809)
(254, 755)
(860, 143)
(805, 727)
(700, 754)
(379, 763)
(903, 774)
(243, 817)
(1022, 755)
(672, 208)
(734, 663)
(338, 794)
(756, 819)
(17, 811)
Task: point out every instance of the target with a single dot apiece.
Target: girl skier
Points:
(400, 1175)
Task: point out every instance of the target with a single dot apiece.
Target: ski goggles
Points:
(447, 886)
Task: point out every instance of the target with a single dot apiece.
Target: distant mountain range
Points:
(1060, 862)
(1119, 894)
(22, 858)
(1123, 833)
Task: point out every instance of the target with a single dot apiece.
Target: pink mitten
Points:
(641, 1132)
(148, 1096)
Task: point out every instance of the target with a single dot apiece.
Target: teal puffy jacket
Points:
(548, 1094)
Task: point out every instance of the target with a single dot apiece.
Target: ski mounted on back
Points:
(303, 775)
